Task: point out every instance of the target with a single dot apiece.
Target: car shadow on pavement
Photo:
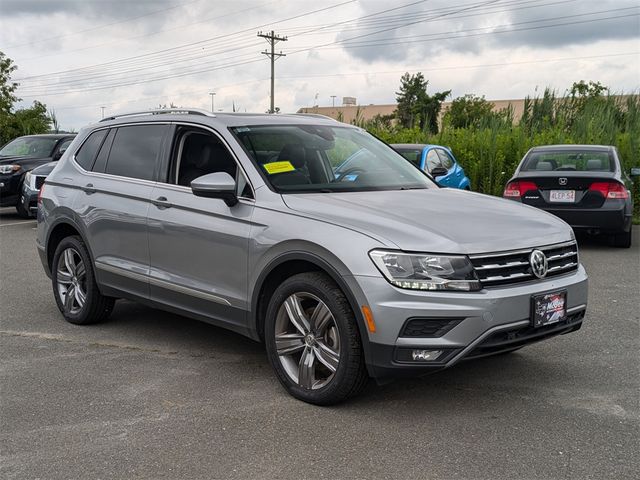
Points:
(481, 380)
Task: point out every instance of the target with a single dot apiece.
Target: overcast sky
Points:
(77, 56)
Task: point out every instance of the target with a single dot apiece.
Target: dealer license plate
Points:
(562, 196)
(548, 308)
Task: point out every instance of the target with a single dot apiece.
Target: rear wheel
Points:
(313, 341)
(621, 240)
(74, 284)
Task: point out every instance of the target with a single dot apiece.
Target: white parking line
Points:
(16, 223)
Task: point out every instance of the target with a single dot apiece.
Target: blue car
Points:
(437, 161)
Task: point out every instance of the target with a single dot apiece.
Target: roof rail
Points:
(160, 111)
(316, 115)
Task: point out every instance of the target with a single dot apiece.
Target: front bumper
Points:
(474, 324)
(10, 189)
(29, 200)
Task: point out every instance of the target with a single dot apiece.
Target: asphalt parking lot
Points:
(153, 395)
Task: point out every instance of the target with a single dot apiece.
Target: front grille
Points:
(513, 267)
(429, 327)
(39, 182)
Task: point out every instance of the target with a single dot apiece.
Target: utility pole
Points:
(213, 94)
(333, 100)
(272, 39)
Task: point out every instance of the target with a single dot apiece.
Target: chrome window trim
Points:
(111, 175)
(226, 145)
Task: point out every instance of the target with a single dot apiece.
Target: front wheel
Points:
(21, 211)
(74, 284)
(312, 340)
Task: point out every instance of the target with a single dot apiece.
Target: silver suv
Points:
(309, 235)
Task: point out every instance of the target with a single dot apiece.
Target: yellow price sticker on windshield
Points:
(278, 167)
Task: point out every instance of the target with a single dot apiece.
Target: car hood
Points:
(45, 169)
(18, 159)
(436, 220)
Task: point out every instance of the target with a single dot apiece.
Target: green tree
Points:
(415, 106)
(24, 121)
(469, 111)
(7, 87)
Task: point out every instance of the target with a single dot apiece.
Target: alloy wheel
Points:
(71, 279)
(307, 340)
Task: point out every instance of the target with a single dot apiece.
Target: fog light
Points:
(425, 355)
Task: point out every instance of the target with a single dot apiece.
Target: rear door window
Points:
(87, 153)
(135, 151)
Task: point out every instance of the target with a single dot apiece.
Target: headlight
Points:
(27, 179)
(418, 271)
(9, 168)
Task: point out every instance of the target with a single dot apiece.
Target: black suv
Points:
(22, 155)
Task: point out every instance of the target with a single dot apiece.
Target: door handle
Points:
(89, 188)
(162, 202)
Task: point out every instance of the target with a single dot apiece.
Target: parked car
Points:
(22, 155)
(582, 184)
(240, 221)
(31, 184)
(438, 161)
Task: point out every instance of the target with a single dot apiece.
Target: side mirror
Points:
(635, 172)
(439, 171)
(216, 185)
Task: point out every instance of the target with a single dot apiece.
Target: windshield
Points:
(305, 158)
(29, 147)
(568, 161)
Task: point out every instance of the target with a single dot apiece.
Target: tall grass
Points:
(491, 151)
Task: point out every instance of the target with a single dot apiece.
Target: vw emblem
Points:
(562, 181)
(538, 261)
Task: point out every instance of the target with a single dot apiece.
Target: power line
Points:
(157, 32)
(348, 43)
(91, 73)
(379, 43)
(368, 73)
(200, 42)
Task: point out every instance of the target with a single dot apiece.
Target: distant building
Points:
(349, 113)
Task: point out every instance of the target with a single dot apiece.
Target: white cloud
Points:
(48, 37)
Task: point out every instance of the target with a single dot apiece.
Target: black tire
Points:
(22, 213)
(350, 376)
(621, 240)
(95, 307)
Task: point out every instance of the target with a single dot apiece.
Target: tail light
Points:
(518, 188)
(40, 192)
(610, 189)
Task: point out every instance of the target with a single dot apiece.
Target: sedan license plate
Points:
(548, 308)
(562, 196)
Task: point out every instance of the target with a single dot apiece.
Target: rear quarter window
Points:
(87, 153)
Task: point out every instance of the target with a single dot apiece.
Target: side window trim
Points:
(239, 170)
(160, 155)
(93, 132)
(426, 161)
(447, 155)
